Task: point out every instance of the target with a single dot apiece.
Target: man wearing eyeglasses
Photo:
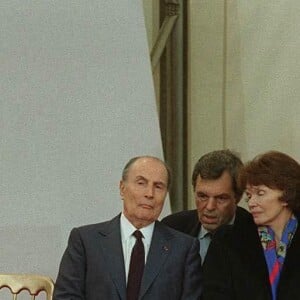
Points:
(216, 194)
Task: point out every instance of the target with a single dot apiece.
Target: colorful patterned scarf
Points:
(275, 257)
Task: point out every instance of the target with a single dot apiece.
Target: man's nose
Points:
(211, 203)
(149, 191)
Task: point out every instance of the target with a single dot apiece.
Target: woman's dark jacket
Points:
(235, 267)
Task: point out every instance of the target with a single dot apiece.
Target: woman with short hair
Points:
(262, 260)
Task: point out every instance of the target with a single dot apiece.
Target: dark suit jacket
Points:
(92, 267)
(188, 222)
(235, 267)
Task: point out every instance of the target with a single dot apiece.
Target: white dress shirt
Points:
(128, 240)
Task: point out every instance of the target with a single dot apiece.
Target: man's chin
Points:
(210, 226)
(146, 218)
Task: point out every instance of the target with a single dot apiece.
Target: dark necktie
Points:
(136, 267)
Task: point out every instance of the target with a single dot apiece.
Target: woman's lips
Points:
(255, 214)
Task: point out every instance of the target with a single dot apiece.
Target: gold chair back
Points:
(34, 284)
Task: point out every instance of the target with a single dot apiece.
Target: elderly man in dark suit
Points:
(216, 193)
(132, 256)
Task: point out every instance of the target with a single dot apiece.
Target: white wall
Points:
(244, 77)
(270, 64)
(77, 102)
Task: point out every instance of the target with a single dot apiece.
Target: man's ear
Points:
(121, 188)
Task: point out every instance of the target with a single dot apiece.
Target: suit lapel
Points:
(158, 253)
(113, 254)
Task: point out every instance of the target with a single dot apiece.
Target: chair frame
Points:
(33, 283)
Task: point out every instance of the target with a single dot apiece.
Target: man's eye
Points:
(222, 198)
(202, 197)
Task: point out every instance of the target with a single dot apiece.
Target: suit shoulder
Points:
(89, 227)
(183, 221)
(242, 228)
(243, 212)
(243, 217)
(96, 226)
(181, 215)
(173, 233)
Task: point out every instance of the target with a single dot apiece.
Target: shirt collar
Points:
(202, 232)
(127, 229)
